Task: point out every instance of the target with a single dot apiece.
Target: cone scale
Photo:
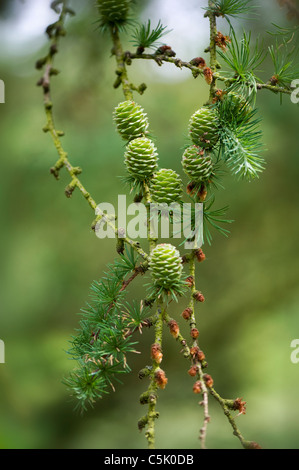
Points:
(166, 187)
(113, 12)
(165, 265)
(197, 164)
(131, 120)
(141, 158)
(203, 128)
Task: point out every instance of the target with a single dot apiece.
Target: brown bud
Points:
(156, 353)
(218, 95)
(165, 50)
(198, 296)
(190, 281)
(197, 387)
(161, 379)
(194, 333)
(200, 256)
(194, 351)
(240, 406)
(191, 188)
(193, 371)
(187, 313)
(208, 74)
(208, 380)
(174, 328)
(222, 41)
(274, 80)
(198, 62)
(140, 50)
(252, 445)
(201, 356)
(202, 193)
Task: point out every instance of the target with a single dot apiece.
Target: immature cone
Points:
(197, 164)
(203, 128)
(238, 101)
(238, 105)
(131, 120)
(113, 12)
(166, 187)
(165, 265)
(141, 158)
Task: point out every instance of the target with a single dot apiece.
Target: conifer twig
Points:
(197, 362)
(121, 70)
(159, 59)
(55, 32)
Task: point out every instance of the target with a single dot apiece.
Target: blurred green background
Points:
(50, 255)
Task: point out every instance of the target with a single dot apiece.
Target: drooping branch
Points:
(196, 362)
(55, 32)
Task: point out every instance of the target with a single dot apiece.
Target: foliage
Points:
(103, 341)
(283, 54)
(145, 37)
(240, 140)
(215, 219)
(230, 8)
(243, 62)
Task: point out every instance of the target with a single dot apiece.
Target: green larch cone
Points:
(131, 120)
(113, 12)
(197, 164)
(166, 187)
(239, 108)
(166, 266)
(238, 101)
(203, 128)
(141, 158)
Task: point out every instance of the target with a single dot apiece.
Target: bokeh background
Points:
(50, 255)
